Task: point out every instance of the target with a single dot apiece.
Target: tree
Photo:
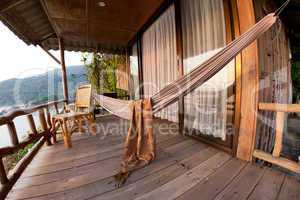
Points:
(100, 70)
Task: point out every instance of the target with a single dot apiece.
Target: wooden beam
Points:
(44, 125)
(179, 50)
(32, 124)
(16, 113)
(238, 71)
(50, 54)
(49, 17)
(6, 5)
(282, 162)
(279, 107)
(3, 176)
(63, 69)
(249, 84)
(13, 133)
(279, 134)
(140, 65)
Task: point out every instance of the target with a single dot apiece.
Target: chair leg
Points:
(66, 135)
(91, 124)
(48, 139)
(53, 130)
(80, 125)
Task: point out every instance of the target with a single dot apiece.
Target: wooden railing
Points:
(275, 157)
(40, 137)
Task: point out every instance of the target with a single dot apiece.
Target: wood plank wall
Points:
(274, 74)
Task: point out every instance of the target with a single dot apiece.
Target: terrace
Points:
(246, 163)
(184, 169)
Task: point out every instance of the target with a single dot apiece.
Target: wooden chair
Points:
(83, 100)
(76, 114)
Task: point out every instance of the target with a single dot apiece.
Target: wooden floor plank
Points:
(214, 184)
(172, 154)
(87, 170)
(77, 152)
(183, 183)
(290, 189)
(162, 177)
(242, 186)
(74, 178)
(105, 153)
(183, 169)
(269, 186)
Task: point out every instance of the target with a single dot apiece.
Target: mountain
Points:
(39, 88)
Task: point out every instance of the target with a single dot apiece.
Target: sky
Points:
(18, 60)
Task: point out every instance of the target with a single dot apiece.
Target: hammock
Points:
(140, 149)
(193, 79)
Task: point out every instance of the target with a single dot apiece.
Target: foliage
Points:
(12, 160)
(296, 81)
(101, 71)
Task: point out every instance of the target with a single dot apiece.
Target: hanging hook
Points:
(282, 7)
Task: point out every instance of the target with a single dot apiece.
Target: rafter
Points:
(49, 17)
(5, 5)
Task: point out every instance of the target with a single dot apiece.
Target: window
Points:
(159, 59)
(210, 108)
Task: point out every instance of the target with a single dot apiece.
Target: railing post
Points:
(44, 125)
(56, 108)
(32, 124)
(13, 133)
(48, 117)
(279, 134)
(3, 177)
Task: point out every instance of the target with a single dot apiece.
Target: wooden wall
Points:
(274, 73)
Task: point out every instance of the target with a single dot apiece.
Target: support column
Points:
(63, 69)
(249, 84)
(140, 66)
(179, 50)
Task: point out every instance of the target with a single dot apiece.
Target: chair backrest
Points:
(83, 97)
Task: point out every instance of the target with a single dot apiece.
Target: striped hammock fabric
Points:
(188, 83)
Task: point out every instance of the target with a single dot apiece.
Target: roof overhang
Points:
(83, 24)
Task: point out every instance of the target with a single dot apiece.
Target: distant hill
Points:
(39, 88)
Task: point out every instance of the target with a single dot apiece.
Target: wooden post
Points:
(48, 117)
(179, 47)
(249, 84)
(51, 55)
(13, 133)
(63, 69)
(3, 176)
(56, 108)
(279, 134)
(44, 125)
(140, 66)
(32, 124)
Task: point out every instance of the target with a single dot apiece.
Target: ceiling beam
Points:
(52, 23)
(5, 5)
(50, 54)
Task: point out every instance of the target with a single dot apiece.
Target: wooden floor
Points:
(184, 169)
